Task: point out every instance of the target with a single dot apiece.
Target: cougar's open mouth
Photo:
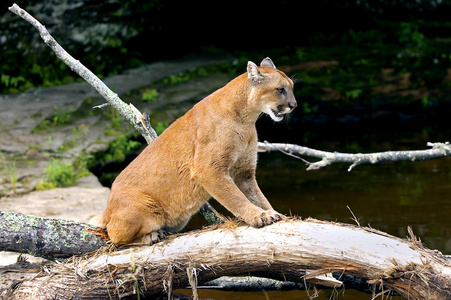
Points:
(276, 113)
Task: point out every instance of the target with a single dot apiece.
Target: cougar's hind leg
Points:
(159, 234)
(125, 232)
(132, 220)
(122, 231)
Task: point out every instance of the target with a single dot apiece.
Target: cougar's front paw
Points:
(266, 217)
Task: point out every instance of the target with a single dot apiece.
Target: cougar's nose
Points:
(292, 104)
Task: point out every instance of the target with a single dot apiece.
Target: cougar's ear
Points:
(253, 73)
(267, 62)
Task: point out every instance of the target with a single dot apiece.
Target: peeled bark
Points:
(403, 265)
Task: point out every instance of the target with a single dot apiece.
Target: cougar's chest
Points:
(245, 156)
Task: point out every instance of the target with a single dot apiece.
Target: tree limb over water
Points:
(438, 150)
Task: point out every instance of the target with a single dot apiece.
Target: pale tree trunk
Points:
(402, 265)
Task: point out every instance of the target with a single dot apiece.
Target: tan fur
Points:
(211, 151)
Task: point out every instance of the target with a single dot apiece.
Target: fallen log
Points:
(402, 265)
(55, 239)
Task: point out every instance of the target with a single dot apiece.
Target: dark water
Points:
(340, 294)
(388, 196)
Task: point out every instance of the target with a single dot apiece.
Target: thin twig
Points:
(354, 218)
(293, 155)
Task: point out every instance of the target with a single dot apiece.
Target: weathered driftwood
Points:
(283, 280)
(402, 265)
(55, 239)
(327, 158)
(127, 111)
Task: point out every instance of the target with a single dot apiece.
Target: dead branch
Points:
(402, 265)
(128, 112)
(438, 150)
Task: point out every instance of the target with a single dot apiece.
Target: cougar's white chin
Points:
(274, 114)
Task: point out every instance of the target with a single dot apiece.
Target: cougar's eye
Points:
(282, 91)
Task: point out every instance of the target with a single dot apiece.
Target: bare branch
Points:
(113, 99)
(438, 150)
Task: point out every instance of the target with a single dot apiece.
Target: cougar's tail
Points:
(98, 220)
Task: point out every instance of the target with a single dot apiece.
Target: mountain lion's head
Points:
(272, 88)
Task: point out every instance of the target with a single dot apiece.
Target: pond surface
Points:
(340, 294)
(388, 196)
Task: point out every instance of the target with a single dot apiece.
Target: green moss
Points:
(45, 185)
(43, 125)
(15, 220)
(33, 221)
(115, 124)
(59, 117)
(149, 95)
(19, 221)
(119, 148)
(62, 117)
(57, 174)
(67, 145)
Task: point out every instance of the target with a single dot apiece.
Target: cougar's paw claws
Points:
(266, 218)
(154, 237)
